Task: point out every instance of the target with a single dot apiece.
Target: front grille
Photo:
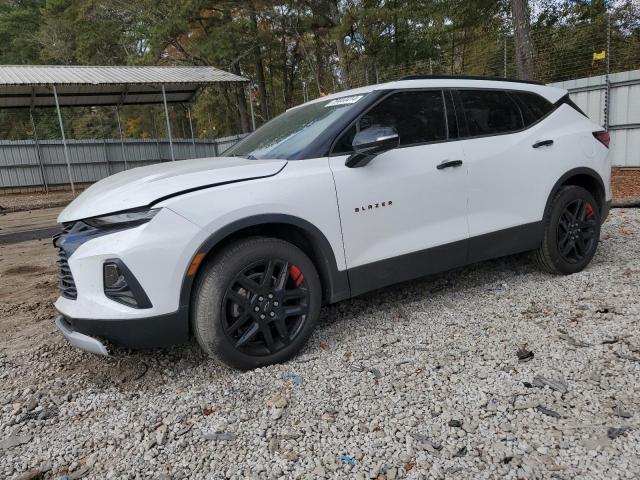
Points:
(67, 285)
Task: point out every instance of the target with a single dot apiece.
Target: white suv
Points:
(336, 197)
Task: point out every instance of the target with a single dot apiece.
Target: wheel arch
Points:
(303, 234)
(584, 177)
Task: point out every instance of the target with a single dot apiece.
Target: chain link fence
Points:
(560, 54)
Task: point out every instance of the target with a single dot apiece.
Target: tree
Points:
(525, 52)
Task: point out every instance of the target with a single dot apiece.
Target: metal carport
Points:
(34, 86)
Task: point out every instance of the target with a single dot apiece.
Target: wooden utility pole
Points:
(525, 51)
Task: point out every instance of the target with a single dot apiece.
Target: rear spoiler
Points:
(567, 100)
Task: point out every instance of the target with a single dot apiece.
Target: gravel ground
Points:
(428, 379)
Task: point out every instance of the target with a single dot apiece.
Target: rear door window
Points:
(490, 112)
(533, 106)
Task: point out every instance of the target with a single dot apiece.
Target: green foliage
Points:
(297, 49)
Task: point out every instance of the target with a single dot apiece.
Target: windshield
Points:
(288, 134)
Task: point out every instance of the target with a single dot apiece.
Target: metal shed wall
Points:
(92, 160)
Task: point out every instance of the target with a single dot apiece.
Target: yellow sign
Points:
(600, 55)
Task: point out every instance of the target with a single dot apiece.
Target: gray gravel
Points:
(421, 380)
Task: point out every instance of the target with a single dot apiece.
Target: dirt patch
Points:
(26, 270)
(18, 202)
(28, 279)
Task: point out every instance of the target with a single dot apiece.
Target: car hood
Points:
(142, 186)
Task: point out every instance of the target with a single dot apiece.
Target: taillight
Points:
(603, 137)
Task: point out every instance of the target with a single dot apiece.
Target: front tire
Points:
(572, 231)
(256, 303)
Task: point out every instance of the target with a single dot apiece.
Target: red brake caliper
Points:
(589, 209)
(296, 275)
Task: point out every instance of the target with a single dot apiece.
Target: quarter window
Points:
(489, 112)
(533, 106)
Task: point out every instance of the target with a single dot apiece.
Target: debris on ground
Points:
(343, 457)
(524, 355)
(293, 378)
(624, 356)
(614, 433)
(619, 412)
(557, 384)
(461, 452)
(573, 341)
(219, 436)
(548, 411)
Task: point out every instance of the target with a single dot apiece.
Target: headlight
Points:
(130, 218)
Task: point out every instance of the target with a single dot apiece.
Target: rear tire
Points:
(256, 303)
(571, 231)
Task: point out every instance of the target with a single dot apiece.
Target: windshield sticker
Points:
(344, 101)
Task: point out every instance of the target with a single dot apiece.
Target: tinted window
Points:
(533, 106)
(417, 116)
(489, 112)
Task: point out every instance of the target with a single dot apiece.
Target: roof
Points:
(31, 85)
(552, 94)
(468, 77)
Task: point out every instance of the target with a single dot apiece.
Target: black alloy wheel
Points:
(576, 233)
(571, 231)
(255, 302)
(265, 307)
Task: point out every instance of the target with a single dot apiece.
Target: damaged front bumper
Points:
(80, 340)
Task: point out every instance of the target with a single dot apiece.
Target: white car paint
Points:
(303, 189)
(426, 207)
(140, 186)
(509, 181)
(157, 253)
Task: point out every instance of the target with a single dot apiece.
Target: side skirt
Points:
(444, 257)
(505, 242)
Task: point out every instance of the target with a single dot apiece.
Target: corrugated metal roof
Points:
(32, 75)
(31, 85)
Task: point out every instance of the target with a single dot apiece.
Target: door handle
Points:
(449, 163)
(542, 143)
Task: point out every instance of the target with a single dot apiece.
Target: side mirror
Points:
(371, 142)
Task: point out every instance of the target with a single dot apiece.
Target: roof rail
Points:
(467, 77)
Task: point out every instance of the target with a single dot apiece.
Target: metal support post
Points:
(193, 139)
(64, 141)
(253, 117)
(124, 154)
(607, 93)
(166, 113)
